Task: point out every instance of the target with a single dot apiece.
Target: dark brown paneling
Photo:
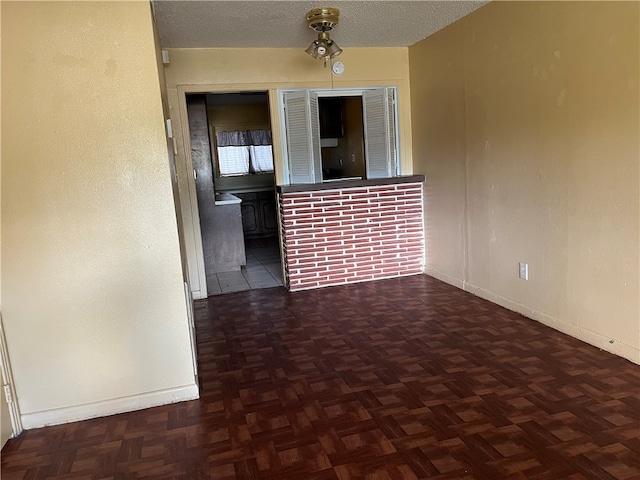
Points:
(201, 158)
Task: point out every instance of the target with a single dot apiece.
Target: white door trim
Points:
(187, 172)
(8, 385)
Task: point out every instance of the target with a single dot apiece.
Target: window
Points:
(304, 152)
(244, 152)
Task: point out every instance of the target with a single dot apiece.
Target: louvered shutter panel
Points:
(316, 149)
(303, 137)
(393, 150)
(378, 134)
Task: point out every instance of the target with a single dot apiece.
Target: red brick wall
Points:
(333, 237)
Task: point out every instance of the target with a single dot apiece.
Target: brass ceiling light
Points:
(323, 20)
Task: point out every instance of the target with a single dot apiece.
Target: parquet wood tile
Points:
(407, 378)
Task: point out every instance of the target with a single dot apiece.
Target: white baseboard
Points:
(198, 294)
(58, 416)
(619, 348)
(443, 277)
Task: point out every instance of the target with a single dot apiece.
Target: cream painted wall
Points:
(232, 70)
(526, 123)
(439, 147)
(5, 420)
(92, 292)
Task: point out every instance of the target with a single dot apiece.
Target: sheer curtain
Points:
(261, 154)
(242, 152)
(233, 153)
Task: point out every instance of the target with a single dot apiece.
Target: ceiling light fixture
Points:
(323, 20)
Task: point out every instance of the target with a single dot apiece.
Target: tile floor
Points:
(263, 269)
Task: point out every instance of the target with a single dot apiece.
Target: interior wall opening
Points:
(341, 137)
(349, 134)
(232, 157)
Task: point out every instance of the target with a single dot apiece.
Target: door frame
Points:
(8, 385)
(188, 174)
(185, 163)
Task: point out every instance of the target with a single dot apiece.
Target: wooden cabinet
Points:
(259, 214)
(249, 207)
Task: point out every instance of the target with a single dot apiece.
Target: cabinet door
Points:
(269, 213)
(250, 214)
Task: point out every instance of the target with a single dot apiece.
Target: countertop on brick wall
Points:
(334, 185)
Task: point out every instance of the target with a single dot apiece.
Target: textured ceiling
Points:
(243, 24)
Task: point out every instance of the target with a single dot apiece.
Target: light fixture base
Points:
(323, 19)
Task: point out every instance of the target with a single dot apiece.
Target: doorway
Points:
(232, 157)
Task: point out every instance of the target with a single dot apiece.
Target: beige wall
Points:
(526, 123)
(5, 420)
(92, 291)
(268, 69)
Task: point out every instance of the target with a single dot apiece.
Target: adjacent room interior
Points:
(232, 157)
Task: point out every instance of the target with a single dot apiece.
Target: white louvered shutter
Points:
(379, 133)
(316, 149)
(303, 137)
(393, 149)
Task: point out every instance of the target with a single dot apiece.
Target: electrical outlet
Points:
(524, 271)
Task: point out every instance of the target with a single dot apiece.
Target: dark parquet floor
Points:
(398, 379)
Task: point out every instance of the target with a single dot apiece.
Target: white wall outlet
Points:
(524, 271)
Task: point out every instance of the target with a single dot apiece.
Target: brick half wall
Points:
(347, 235)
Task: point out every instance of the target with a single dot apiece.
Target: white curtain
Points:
(244, 152)
(233, 160)
(261, 158)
